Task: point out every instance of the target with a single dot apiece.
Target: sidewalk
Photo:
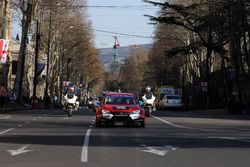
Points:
(14, 106)
(219, 113)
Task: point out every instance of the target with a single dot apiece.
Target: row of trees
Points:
(199, 42)
(204, 41)
(65, 42)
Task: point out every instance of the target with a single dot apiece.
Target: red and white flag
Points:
(4, 46)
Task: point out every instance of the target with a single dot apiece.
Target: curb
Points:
(215, 111)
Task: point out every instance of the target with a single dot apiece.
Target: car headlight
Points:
(105, 112)
(136, 112)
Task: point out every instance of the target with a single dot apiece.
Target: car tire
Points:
(147, 113)
(97, 124)
(142, 125)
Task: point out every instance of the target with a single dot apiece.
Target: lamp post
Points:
(68, 62)
(48, 57)
(34, 100)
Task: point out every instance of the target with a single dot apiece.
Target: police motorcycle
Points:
(148, 102)
(70, 102)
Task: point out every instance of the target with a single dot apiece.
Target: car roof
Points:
(118, 94)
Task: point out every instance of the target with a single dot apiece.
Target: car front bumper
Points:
(122, 119)
(172, 105)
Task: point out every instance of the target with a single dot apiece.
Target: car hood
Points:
(121, 108)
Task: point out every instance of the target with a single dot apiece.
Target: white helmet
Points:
(148, 89)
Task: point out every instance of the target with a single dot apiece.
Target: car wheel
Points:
(142, 125)
(97, 124)
(147, 114)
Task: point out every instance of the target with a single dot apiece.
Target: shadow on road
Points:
(201, 114)
(77, 140)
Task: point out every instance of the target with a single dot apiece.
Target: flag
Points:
(40, 68)
(4, 46)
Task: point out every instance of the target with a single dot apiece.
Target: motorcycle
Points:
(148, 104)
(70, 104)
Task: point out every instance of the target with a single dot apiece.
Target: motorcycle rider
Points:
(70, 93)
(148, 96)
(148, 93)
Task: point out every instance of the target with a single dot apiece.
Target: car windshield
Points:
(126, 100)
(173, 97)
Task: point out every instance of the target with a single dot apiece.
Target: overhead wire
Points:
(124, 34)
(107, 6)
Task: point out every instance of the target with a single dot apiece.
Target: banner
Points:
(4, 46)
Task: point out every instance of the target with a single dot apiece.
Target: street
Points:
(170, 139)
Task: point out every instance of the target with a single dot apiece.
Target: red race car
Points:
(120, 109)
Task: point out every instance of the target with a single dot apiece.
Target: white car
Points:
(171, 101)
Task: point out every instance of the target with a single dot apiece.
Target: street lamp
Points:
(34, 98)
(48, 57)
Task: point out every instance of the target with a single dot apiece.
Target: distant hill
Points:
(106, 54)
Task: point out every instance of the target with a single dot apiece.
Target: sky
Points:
(127, 17)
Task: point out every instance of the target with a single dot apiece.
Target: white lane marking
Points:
(161, 151)
(19, 151)
(5, 117)
(230, 138)
(19, 126)
(1, 133)
(84, 155)
(242, 129)
(172, 124)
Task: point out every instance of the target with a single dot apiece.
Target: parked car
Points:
(171, 101)
(120, 109)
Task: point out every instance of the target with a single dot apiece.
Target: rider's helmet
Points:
(71, 90)
(148, 89)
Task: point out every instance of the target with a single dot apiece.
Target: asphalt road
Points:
(48, 138)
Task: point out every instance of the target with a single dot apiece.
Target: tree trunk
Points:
(22, 53)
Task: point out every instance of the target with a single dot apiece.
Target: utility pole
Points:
(48, 58)
(68, 63)
(36, 60)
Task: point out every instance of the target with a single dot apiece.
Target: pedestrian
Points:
(55, 99)
(47, 101)
(2, 95)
